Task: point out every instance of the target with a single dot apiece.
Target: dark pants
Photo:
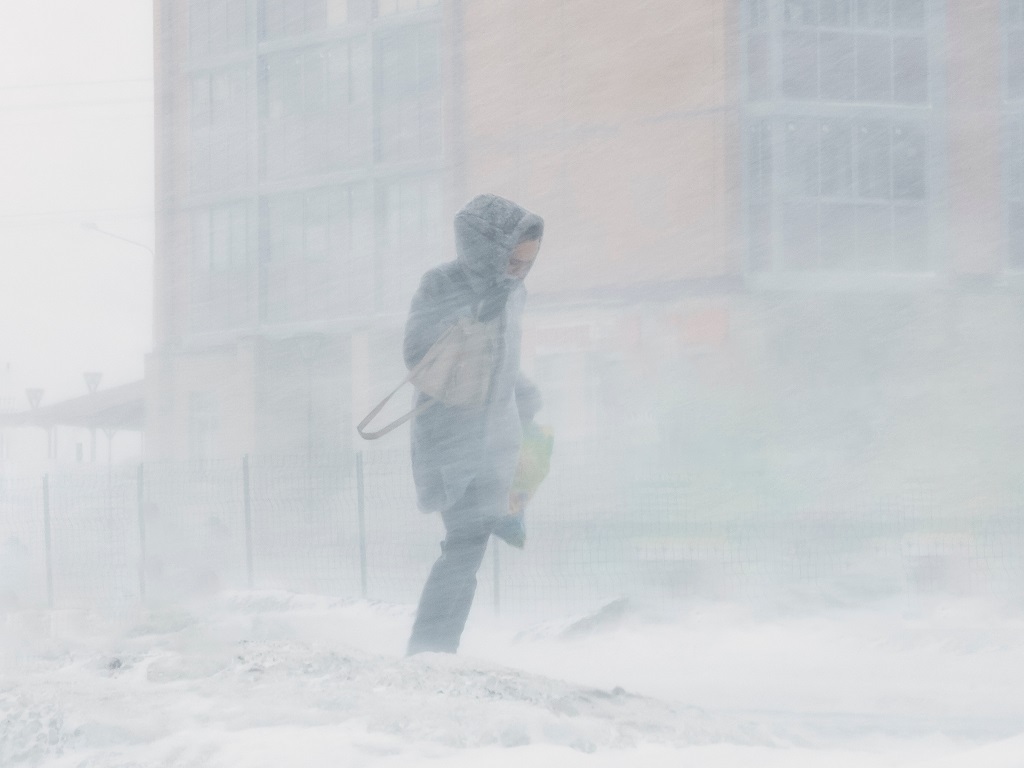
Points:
(448, 594)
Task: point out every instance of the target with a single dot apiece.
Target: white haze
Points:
(76, 146)
(815, 615)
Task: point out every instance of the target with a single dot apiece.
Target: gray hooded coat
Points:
(453, 446)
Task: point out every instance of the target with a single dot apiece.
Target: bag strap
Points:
(394, 424)
(414, 412)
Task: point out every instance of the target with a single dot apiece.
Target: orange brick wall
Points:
(614, 122)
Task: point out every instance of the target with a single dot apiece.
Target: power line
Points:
(75, 84)
(73, 104)
(132, 212)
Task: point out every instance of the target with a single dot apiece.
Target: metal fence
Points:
(599, 528)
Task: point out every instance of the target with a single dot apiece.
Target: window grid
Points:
(383, 8)
(219, 130)
(222, 239)
(315, 110)
(319, 261)
(850, 56)
(1015, 190)
(217, 27)
(367, 104)
(836, 179)
(408, 234)
(288, 18)
(1014, 47)
(408, 94)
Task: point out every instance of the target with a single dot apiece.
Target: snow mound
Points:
(31, 729)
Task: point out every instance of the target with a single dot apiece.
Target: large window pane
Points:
(802, 157)
(757, 13)
(317, 218)
(392, 7)
(800, 235)
(874, 68)
(1016, 235)
(838, 235)
(217, 27)
(760, 160)
(760, 225)
(239, 235)
(908, 162)
(200, 90)
(836, 159)
(284, 215)
(314, 81)
(408, 98)
(198, 28)
(874, 160)
(800, 12)
(836, 13)
(1015, 12)
(1015, 64)
(873, 14)
(800, 64)
(758, 67)
(910, 70)
(838, 66)
(1015, 159)
(220, 238)
(908, 14)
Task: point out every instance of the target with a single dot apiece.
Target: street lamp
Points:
(91, 226)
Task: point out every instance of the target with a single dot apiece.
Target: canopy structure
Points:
(117, 408)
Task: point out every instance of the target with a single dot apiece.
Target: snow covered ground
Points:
(279, 679)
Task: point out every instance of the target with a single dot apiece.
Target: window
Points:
(217, 27)
(286, 18)
(408, 233)
(1015, 190)
(839, 50)
(395, 7)
(316, 110)
(221, 248)
(219, 135)
(220, 238)
(328, 223)
(1015, 50)
(409, 94)
(320, 253)
(832, 185)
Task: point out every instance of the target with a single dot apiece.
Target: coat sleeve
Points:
(435, 306)
(528, 398)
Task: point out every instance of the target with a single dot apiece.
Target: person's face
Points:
(522, 259)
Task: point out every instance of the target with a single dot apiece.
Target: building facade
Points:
(781, 233)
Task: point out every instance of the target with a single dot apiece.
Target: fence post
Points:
(361, 509)
(47, 542)
(496, 558)
(142, 533)
(247, 501)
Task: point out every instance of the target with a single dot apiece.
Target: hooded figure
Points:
(464, 458)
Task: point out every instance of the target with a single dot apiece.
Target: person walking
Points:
(464, 457)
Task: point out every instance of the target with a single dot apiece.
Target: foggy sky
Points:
(76, 145)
